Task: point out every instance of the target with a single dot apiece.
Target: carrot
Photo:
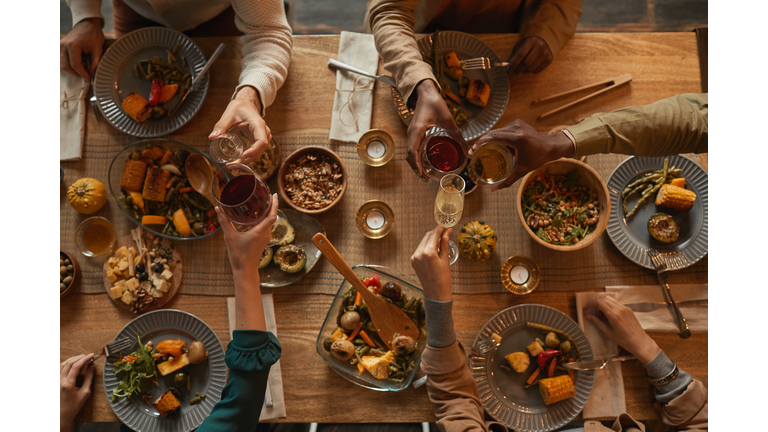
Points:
(453, 96)
(551, 370)
(358, 298)
(355, 331)
(367, 339)
(533, 376)
(170, 183)
(211, 212)
(360, 367)
(570, 372)
(158, 355)
(166, 158)
(186, 190)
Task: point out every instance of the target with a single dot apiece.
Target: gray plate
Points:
(305, 228)
(631, 236)
(503, 392)
(482, 119)
(208, 377)
(115, 79)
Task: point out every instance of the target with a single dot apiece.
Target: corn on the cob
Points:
(137, 107)
(167, 405)
(556, 389)
(133, 175)
(675, 197)
(154, 184)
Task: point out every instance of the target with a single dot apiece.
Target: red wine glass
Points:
(443, 152)
(242, 195)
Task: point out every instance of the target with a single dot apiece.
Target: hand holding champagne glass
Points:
(448, 207)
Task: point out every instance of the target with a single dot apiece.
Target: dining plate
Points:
(631, 235)
(305, 227)
(115, 79)
(481, 119)
(503, 392)
(208, 377)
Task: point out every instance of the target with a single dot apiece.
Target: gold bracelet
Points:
(665, 380)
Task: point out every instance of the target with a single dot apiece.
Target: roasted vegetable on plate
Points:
(668, 186)
(168, 79)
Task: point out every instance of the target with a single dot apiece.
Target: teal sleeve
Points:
(250, 355)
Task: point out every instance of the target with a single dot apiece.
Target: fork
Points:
(487, 344)
(94, 101)
(661, 272)
(481, 63)
(113, 348)
(386, 79)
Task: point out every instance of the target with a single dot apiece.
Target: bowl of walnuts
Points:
(312, 179)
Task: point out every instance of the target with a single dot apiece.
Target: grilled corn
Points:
(556, 389)
(133, 175)
(154, 184)
(675, 197)
(137, 107)
(167, 405)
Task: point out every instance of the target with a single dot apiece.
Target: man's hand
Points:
(245, 248)
(245, 111)
(72, 397)
(620, 324)
(431, 266)
(85, 38)
(531, 54)
(529, 148)
(431, 110)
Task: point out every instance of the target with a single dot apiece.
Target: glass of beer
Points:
(448, 207)
(491, 163)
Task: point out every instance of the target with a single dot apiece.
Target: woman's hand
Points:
(72, 397)
(531, 54)
(245, 111)
(245, 248)
(431, 110)
(620, 324)
(85, 38)
(431, 266)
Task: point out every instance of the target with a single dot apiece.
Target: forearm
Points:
(250, 94)
(670, 126)
(83, 9)
(249, 310)
(683, 400)
(552, 20)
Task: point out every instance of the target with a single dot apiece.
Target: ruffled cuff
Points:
(252, 351)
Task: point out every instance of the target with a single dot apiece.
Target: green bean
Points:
(647, 194)
(364, 350)
(626, 198)
(185, 76)
(184, 61)
(535, 383)
(151, 75)
(645, 179)
(136, 71)
(176, 48)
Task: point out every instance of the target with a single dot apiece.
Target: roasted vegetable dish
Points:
(356, 341)
(559, 209)
(663, 228)
(155, 189)
(666, 183)
(287, 257)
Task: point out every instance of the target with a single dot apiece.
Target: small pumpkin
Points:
(87, 195)
(476, 241)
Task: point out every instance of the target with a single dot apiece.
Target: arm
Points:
(83, 9)
(72, 398)
(85, 37)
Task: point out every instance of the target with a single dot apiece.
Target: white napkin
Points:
(351, 116)
(663, 319)
(72, 108)
(607, 398)
(274, 396)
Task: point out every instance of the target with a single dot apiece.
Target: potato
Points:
(518, 361)
(197, 352)
(552, 340)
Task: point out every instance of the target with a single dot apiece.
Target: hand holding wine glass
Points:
(430, 261)
(245, 249)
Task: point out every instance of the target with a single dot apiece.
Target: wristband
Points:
(567, 133)
(664, 380)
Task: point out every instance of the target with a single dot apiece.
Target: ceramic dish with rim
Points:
(631, 235)
(75, 274)
(349, 371)
(503, 392)
(115, 79)
(116, 171)
(587, 177)
(208, 377)
(312, 150)
(466, 46)
(305, 227)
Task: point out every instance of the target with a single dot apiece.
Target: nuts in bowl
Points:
(312, 179)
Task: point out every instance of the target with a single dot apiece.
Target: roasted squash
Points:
(137, 199)
(153, 220)
(455, 73)
(154, 184)
(87, 195)
(453, 96)
(181, 224)
(478, 92)
(168, 91)
(452, 60)
(679, 182)
(133, 175)
(137, 107)
(476, 241)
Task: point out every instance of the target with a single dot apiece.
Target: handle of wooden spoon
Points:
(335, 258)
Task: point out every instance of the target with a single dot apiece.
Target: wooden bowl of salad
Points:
(564, 205)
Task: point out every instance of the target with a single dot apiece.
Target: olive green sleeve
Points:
(670, 126)
(552, 20)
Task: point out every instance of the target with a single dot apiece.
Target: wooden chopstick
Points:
(614, 82)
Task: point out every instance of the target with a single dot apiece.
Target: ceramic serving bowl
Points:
(315, 150)
(75, 275)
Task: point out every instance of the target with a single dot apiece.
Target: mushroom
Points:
(197, 353)
(343, 349)
(350, 320)
(391, 290)
(327, 344)
(403, 345)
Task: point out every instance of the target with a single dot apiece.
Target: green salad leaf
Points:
(138, 374)
(571, 177)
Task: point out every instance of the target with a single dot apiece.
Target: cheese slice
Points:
(115, 292)
(164, 286)
(132, 284)
(166, 274)
(127, 297)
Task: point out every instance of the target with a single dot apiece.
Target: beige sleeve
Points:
(552, 20)
(689, 411)
(82, 9)
(392, 23)
(267, 46)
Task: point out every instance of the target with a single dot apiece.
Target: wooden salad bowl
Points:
(319, 150)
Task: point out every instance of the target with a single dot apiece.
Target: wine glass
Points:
(448, 207)
(245, 199)
(491, 163)
(229, 146)
(443, 152)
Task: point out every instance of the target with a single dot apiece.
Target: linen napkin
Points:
(663, 319)
(72, 108)
(353, 101)
(607, 398)
(274, 402)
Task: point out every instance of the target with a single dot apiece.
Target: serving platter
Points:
(305, 227)
(631, 235)
(466, 46)
(503, 392)
(208, 377)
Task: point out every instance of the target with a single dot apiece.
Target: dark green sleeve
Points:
(249, 357)
(670, 126)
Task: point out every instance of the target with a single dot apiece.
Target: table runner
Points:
(207, 270)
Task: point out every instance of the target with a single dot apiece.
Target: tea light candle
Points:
(375, 219)
(519, 274)
(376, 149)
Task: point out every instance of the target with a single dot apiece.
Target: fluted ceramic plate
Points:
(631, 235)
(503, 392)
(481, 119)
(208, 377)
(115, 79)
(305, 227)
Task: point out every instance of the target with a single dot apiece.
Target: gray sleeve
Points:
(660, 367)
(440, 332)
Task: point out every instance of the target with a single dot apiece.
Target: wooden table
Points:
(662, 65)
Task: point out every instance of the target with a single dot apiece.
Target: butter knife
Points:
(648, 306)
(595, 364)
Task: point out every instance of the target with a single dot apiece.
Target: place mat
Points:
(207, 270)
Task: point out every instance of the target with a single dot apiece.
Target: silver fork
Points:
(661, 273)
(94, 101)
(120, 345)
(487, 344)
(386, 79)
(481, 63)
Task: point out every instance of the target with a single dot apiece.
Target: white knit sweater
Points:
(267, 41)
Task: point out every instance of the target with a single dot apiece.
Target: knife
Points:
(595, 364)
(648, 307)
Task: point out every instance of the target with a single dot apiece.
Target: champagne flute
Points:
(448, 207)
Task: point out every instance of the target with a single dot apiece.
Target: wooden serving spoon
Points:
(199, 175)
(388, 318)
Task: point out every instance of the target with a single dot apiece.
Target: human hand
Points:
(431, 266)
(620, 324)
(85, 38)
(431, 110)
(245, 111)
(530, 148)
(72, 397)
(531, 54)
(245, 248)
